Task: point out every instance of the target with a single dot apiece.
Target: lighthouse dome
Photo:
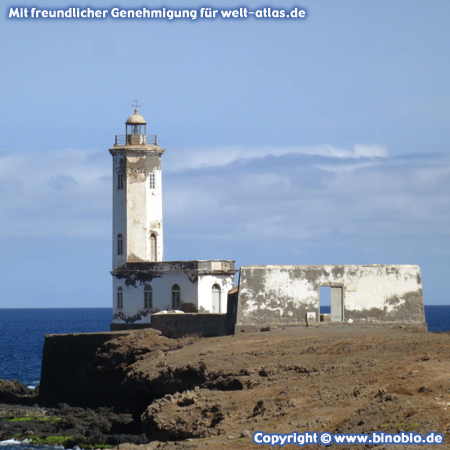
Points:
(136, 119)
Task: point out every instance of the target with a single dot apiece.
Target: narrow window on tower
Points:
(148, 297)
(120, 180)
(119, 298)
(119, 244)
(153, 247)
(176, 297)
(151, 178)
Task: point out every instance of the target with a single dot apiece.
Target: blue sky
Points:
(314, 141)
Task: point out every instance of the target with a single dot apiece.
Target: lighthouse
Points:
(143, 283)
(137, 195)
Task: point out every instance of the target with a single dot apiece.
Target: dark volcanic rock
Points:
(16, 393)
(71, 426)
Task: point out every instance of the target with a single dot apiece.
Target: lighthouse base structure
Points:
(145, 288)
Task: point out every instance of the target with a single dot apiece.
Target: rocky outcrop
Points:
(193, 393)
(191, 414)
(68, 426)
(16, 393)
(95, 369)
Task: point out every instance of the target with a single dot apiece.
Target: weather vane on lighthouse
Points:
(136, 101)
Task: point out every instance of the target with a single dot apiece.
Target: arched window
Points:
(148, 297)
(176, 297)
(119, 244)
(153, 247)
(119, 297)
(215, 299)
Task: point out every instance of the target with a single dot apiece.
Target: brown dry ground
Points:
(215, 393)
(339, 379)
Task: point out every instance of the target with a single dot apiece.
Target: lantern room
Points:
(136, 129)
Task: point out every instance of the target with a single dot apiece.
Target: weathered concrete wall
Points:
(133, 310)
(119, 210)
(205, 284)
(144, 205)
(195, 279)
(137, 208)
(69, 372)
(178, 325)
(370, 293)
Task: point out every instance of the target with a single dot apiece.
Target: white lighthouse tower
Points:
(144, 284)
(137, 195)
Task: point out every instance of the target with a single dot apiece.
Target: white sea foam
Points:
(10, 442)
(14, 444)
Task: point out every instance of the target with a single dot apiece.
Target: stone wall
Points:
(70, 374)
(282, 295)
(178, 325)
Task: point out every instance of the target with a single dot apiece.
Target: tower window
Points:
(153, 247)
(119, 298)
(120, 181)
(176, 297)
(119, 244)
(148, 297)
(151, 178)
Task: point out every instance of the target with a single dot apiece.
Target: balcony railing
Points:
(136, 139)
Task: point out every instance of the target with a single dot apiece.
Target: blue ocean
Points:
(22, 334)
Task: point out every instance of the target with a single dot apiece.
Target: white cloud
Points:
(65, 193)
(291, 194)
(194, 158)
(370, 151)
(298, 196)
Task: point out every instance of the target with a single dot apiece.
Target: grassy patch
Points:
(18, 419)
(33, 419)
(50, 440)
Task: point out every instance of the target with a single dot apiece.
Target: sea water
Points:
(22, 334)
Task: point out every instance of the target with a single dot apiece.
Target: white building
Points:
(142, 282)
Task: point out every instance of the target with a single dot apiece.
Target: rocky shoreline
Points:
(68, 426)
(191, 393)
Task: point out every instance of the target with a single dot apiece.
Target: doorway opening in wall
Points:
(215, 298)
(325, 299)
(331, 302)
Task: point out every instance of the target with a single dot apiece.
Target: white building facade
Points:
(142, 283)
